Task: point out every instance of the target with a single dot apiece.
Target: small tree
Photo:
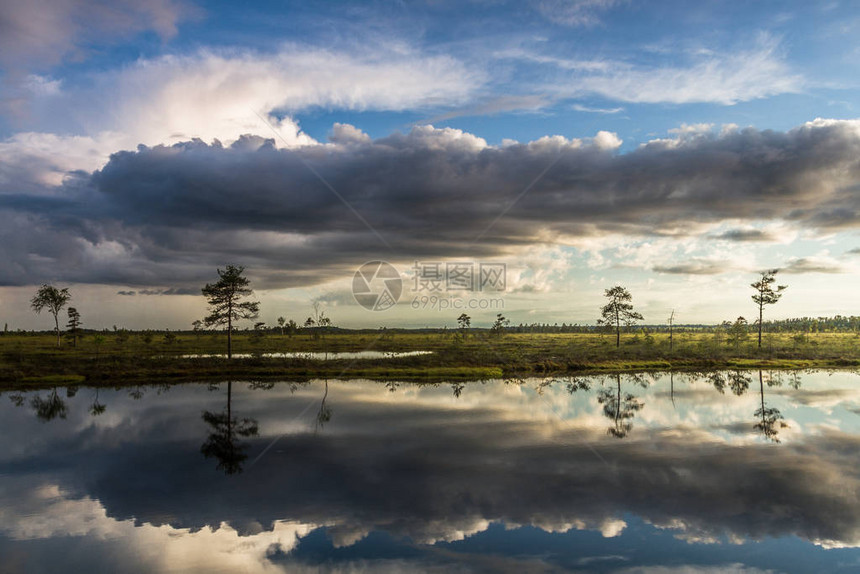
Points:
(463, 323)
(618, 312)
(498, 328)
(281, 322)
(309, 325)
(766, 295)
(98, 340)
(259, 332)
(737, 332)
(53, 299)
(74, 325)
(319, 322)
(322, 321)
(225, 301)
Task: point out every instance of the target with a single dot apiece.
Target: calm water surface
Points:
(720, 472)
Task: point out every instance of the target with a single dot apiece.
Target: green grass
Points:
(34, 360)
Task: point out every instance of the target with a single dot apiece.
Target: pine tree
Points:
(765, 295)
(618, 312)
(225, 305)
(74, 325)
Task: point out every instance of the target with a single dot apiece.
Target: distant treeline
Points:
(836, 324)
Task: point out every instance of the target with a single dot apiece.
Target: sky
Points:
(677, 149)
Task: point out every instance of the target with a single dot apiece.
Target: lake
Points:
(738, 471)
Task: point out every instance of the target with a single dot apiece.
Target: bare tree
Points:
(53, 299)
(618, 312)
(765, 295)
(671, 330)
(319, 316)
(319, 321)
(225, 305)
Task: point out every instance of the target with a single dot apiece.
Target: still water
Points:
(716, 472)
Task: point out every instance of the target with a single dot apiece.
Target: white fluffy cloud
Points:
(48, 512)
(218, 95)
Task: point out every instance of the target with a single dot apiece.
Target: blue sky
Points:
(676, 148)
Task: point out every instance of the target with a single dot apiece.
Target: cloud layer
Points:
(296, 216)
(43, 32)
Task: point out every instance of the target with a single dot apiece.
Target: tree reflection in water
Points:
(718, 380)
(457, 388)
(771, 420)
(620, 409)
(739, 382)
(97, 408)
(223, 442)
(324, 413)
(50, 407)
(575, 384)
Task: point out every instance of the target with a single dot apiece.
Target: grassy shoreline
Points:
(29, 360)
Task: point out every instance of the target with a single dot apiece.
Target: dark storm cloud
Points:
(179, 291)
(168, 215)
(159, 292)
(745, 235)
(811, 265)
